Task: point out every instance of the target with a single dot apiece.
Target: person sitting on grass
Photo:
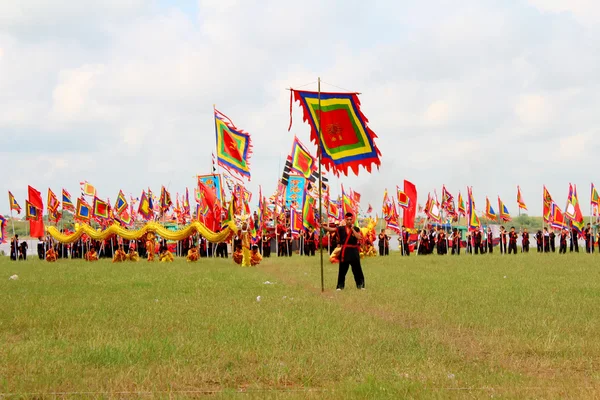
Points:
(91, 255)
(120, 255)
(133, 255)
(238, 255)
(166, 255)
(51, 255)
(193, 254)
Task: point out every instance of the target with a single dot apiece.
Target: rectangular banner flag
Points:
(294, 193)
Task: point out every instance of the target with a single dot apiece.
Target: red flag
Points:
(36, 227)
(410, 212)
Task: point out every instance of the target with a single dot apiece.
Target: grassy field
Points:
(522, 326)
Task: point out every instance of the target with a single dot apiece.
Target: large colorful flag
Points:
(296, 222)
(594, 198)
(446, 197)
(546, 196)
(403, 199)
(31, 211)
(302, 161)
(145, 207)
(233, 146)
(520, 199)
(557, 219)
(53, 202)
(474, 222)
(84, 211)
(100, 208)
(393, 220)
(121, 203)
(339, 129)
(409, 213)
(67, 204)
(489, 211)
(87, 189)
(333, 210)
(13, 203)
(3, 235)
(230, 217)
(573, 209)
(432, 209)
(165, 199)
(461, 205)
(36, 226)
(504, 214)
(309, 218)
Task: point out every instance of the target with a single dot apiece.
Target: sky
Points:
(484, 93)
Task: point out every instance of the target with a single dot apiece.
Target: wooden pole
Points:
(321, 230)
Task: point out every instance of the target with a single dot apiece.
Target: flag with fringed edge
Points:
(302, 161)
(67, 203)
(233, 146)
(345, 141)
(31, 211)
(84, 211)
(489, 211)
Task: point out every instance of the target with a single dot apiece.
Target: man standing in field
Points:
(525, 241)
(512, 241)
(349, 238)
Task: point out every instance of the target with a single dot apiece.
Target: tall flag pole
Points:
(321, 230)
(13, 206)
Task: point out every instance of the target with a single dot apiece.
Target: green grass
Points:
(522, 326)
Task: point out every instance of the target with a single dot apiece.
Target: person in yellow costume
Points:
(150, 245)
(120, 255)
(91, 255)
(166, 256)
(255, 256)
(51, 255)
(133, 255)
(193, 254)
(244, 252)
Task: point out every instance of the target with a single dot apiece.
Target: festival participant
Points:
(51, 255)
(552, 238)
(255, 257)
(574, 243)
(289, 243)
(245, 239)
(441, 241)
(132, 255)
(310, 243)
(546, 240)
(91, 255)
(383, 243)
(589, 239)
(350, 238)
(193, 254)
(14, 248)
(539, 240)
(423, 243)
(502, 240)
(165, 255)
(237, 255)
(150, 245)
(525, 241)
(512, 240)
(477, 240)
(266, 245)
(469, 242)
(120, 255)
(562, 249)
(41, 248)
(23, 250)
(405, 241)
(456, 241)
(490, 240)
